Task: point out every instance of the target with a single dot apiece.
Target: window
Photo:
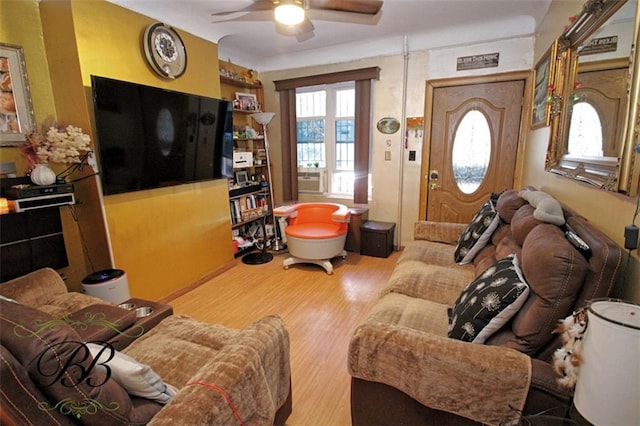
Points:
(585, 134)
(325, 131)
(471, 151)
(361, 79)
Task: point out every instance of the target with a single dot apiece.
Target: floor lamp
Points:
(263, 118)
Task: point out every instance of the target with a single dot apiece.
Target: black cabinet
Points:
(31, 240)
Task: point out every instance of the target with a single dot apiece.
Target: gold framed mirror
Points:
(595, 105)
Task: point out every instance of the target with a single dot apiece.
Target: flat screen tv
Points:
(149, 137)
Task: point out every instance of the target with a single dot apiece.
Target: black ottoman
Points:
(376, 238)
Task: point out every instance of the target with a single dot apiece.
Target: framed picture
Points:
(242, 178)
(543, 78)
(246, 102)
(16, 110)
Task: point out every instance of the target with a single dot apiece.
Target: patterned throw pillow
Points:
(488, 302)
(477, 233)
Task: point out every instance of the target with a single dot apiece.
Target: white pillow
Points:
(136, 378)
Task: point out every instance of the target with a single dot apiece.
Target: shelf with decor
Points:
(249, 195)
(240, 83)
(245, 111)
(248, 207)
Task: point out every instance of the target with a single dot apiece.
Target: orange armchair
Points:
(316, 233)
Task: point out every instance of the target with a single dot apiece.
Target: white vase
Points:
(43, 175)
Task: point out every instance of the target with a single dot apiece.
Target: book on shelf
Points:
(247, 208)
(236, 213)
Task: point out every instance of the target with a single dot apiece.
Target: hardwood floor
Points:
(320, 311)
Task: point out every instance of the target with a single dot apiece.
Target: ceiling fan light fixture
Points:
(289, 13)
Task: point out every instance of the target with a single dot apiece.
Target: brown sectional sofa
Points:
(216, 375)
(406, 370)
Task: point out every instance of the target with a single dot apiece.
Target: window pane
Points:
(310, 131)
(585, 131)
(342, 182)
(311, 104)
(345, 144)
(311, 153)
(345, 131)
(310, 134)
(471, 151)
(345, 102)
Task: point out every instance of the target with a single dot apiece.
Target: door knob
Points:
(434, 186)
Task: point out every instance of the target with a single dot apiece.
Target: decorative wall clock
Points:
(164, 50)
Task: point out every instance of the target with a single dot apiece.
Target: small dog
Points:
(567, 359)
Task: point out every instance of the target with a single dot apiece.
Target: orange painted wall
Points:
(164, 239)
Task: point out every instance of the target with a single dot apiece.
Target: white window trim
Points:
(330, 119)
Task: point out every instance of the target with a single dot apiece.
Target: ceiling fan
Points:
(291, 18)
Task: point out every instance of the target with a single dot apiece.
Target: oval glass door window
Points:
(585, 131)
(471, 151)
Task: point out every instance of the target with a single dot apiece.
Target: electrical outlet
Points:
(631, 237)
(387, 156)
(412, 156)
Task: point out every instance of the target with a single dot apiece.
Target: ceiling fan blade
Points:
(295, 30)
(367, 7)
(257, 6)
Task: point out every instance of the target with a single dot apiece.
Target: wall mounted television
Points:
(149, 137)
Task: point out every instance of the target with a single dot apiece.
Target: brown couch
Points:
(215, 375)
(406, 370)
(45, 290)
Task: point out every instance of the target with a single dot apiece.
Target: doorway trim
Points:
(431, 85)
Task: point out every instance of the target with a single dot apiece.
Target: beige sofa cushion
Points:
(437, 283)
(207, 361)
(430, 252)
(411, 312)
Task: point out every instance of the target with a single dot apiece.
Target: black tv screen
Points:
(149, 137)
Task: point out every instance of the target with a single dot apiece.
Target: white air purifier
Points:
(109, 284)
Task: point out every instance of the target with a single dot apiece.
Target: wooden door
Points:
(470, 123)
(605, 89)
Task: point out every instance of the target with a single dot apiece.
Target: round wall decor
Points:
(388, 125)
(164, 50)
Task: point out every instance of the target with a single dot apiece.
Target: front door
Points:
(472, 146)
(601, 86)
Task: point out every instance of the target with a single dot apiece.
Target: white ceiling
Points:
(250, 39)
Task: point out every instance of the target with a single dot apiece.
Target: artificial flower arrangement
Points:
(57, 145)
